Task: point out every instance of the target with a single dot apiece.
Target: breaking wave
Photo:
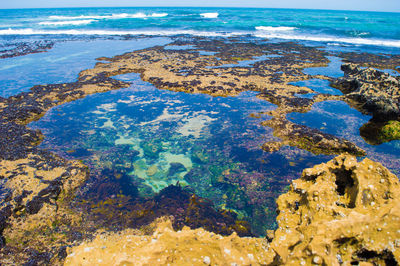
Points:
(209, 15)
(67, 22)
(113, 16)
(284, 35)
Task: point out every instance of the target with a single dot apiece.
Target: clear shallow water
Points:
(160, 138)
(339, 119)
(370, 28)
(63, 62)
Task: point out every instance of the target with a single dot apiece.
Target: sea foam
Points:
(261, 34)
(270, 28)
(30, 31)
(113, 16)
(67, 22)
(329, 39)
(209, 15)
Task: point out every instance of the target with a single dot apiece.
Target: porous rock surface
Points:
(371, 91)
(166, 246)
(340, 212)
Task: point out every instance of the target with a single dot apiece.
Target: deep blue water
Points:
(372, 28)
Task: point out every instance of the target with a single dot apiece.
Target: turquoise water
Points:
(371, 28)
(210, 143)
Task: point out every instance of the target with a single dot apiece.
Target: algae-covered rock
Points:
(370, 91)
(391, 131)
(341, 211)
(376, 133)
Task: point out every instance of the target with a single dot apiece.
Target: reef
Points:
(229, 68)
(338, 212)
(375, 93)
(24, 48)
(380, 61)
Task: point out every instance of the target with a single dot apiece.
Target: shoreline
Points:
(18, 111)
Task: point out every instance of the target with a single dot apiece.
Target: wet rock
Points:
(381, 61)
(371, 91)
(24, 48)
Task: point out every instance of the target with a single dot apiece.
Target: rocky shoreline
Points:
(341, 211)
(40, 222)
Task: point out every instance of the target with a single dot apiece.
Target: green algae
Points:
(376, 133)
(390, 131)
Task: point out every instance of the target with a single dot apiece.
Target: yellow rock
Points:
(152, 170)
(341, 211)
(165, 246)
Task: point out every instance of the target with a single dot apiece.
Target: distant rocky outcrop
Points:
(374, 93)
(371, 91)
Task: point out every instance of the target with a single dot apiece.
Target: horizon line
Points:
(289, 8)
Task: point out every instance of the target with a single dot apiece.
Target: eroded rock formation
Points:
(342, 211)
(371, 91)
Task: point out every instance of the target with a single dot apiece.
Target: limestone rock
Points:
(341, 211)
(165, 246)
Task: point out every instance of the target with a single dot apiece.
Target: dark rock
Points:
(175, 168)
(371, 91)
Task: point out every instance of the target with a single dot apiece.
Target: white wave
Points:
(113, 16)
(76, 17)
(111, 32)
(209, 15)
(270, 28)
(67, 22)
(329, 39)
(159, 15)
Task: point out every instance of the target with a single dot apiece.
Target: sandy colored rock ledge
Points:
(166, 246)
(340, 212)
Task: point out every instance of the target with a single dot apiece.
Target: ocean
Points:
(332, 27)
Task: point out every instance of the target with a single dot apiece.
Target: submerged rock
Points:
(175, 168)
(342, 211)
(309, 139)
